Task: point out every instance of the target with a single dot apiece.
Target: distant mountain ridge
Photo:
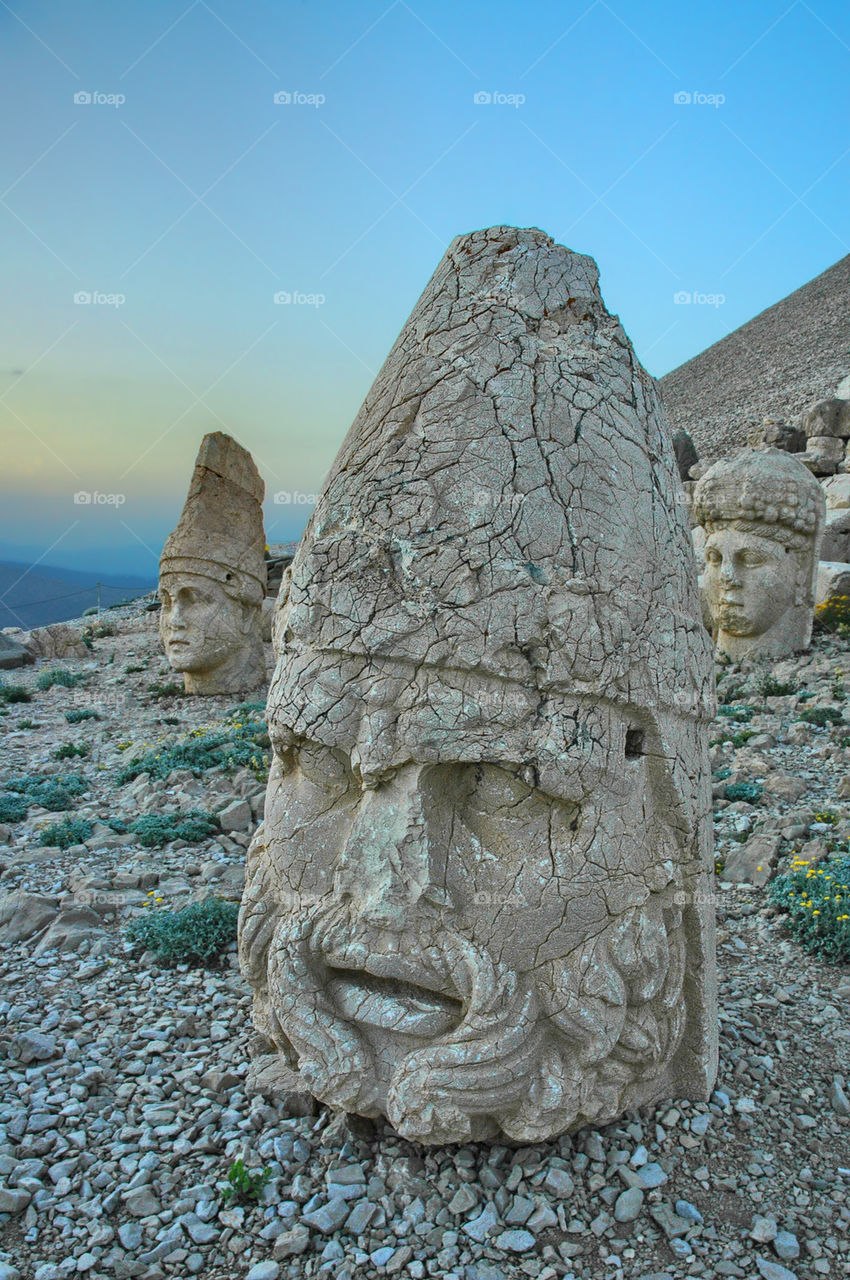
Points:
(777, 364)
(33, 597)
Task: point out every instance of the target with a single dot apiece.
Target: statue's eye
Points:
(752, 559)
(712, 557)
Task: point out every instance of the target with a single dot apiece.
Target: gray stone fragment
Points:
(515, 1241)
(786, 1246)
(328, 1217)
(651, 1175)
(628, 1204)
(292, 1243)
(558, 1182)
(772, 1270)
(480, 1228)
(13, 1199)
(267, 1270)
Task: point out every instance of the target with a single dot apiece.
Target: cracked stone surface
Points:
(478, 903)
(762, 514)
(212, 574)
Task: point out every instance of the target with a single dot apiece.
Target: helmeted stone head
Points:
(763, 515)
(478, 903)
(212, 574)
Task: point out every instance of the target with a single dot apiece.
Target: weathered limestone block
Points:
(212, 574)
(782, 435)
(833, 580)
(836, 491)
(12, 653)
(58, 640)
(823, 454)
(828, 418)
(479, 903)
(836, 536)
(763, 515)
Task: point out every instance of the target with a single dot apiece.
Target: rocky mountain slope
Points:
(124, 1098)
(777, 365)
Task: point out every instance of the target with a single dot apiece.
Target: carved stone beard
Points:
(517, 1061)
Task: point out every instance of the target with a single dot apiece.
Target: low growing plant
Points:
(70, 749)
(245, 1186)
(12, 808)
(833, 615)
(65, 833)
(821, 716)
(198, 934)
(239, 743)
(170, 690)
(53, 794)
(741, 714)
(57, 675)
(80, 714)
(769, 687)
(154, 830)
(749, 791)
(14, 693)
(817, 903)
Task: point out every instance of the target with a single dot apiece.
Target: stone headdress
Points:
(220, 531)
(498, 567)
(765, 491)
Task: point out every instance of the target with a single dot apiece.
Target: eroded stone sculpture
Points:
(478, 904)
(212, 574)
(762, 512)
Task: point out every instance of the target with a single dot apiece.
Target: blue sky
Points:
(185, 207)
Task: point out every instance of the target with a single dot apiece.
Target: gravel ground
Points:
(123, 1098)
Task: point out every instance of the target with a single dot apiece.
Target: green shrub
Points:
(196, 935)
(833, 615)
(817, 902)
(56, 675)
(70, 749)
(821, 716)
(240, 743)
(737, 739)
(132, 668)
(769, 687)
(170, 690)
(12, 808)
(156, 829)
(65, 833)
(741, 714)
(244, 1185)
(14, 693)
(53, 794)
(749, 791)
(78, 716)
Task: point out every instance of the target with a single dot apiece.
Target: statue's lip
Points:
(392, 1004)
(409, 969)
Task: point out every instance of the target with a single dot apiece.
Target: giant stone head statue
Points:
(212, 574)
(478, 903)
(763, 514)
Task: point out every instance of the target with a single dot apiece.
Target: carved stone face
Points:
(750, 581)
(211, 637)
(472, 952)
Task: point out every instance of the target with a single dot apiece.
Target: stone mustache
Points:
(212, 574)
(479, 903)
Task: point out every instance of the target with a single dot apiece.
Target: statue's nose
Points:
(388, 859)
